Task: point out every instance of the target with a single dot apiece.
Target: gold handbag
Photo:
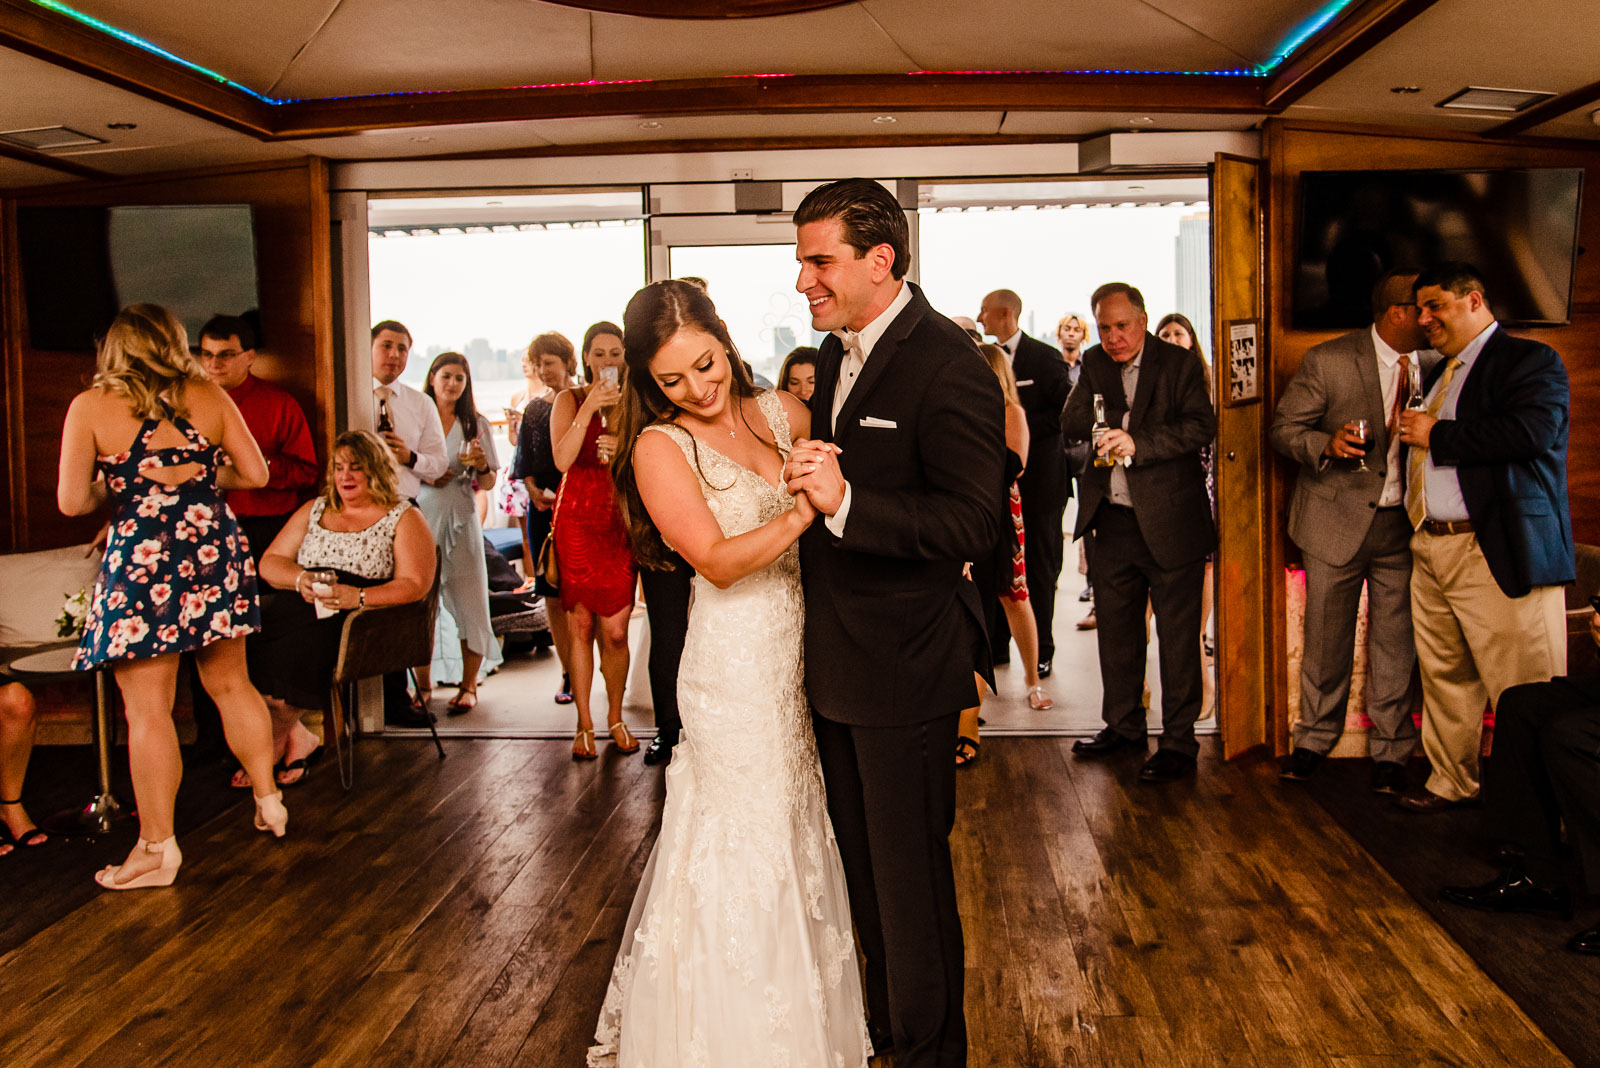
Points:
(547, 565)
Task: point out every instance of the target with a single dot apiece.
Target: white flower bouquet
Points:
(74, 613)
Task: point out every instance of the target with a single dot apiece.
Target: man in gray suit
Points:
(1351, 527)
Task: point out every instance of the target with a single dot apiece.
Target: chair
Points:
(376, 641)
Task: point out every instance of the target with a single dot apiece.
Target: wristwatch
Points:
(411, 457)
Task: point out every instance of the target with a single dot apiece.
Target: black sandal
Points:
(966, 751)
(303, 766)
(35, 838)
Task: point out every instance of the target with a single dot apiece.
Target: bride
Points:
(739, 948)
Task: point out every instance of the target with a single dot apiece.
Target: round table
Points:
(56, 663)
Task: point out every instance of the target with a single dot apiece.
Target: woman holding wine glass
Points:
(448, 504)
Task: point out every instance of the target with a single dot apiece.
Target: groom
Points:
(907, 468)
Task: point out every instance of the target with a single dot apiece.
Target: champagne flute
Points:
(1418, 400)
(1363, 433)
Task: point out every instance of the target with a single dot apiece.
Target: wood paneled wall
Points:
(1292, 147)
(296, 290)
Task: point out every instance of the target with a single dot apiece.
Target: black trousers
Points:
(1043, 549)
(892, 799)
(258, 530)
(1125, 575)
(1545, 770)
(666, 606)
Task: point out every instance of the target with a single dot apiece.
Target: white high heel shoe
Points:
(171, 858)
(271, 815)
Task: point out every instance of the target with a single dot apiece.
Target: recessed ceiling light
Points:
(650, 124)
(1405, 90)
(122, 126)
(884, 120)
(1141, 120)
(422, 140)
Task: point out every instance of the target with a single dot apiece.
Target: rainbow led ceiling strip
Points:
(1299, 37)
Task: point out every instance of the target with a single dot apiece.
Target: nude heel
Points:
(271, 815)
(171, 859)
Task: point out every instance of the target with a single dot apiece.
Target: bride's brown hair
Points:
(654, 314)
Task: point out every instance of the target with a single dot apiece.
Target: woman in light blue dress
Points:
(449, 505)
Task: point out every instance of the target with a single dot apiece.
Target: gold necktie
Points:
(1417, 465)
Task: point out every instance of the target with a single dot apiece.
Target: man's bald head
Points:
(1000, 314)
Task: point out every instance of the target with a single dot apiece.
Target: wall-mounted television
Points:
(1519, 228)
(81, 264)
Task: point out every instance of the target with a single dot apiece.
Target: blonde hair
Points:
(371, 456)
(1002, 370)
(1083, 324)
(144, 354)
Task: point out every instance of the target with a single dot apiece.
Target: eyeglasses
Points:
(229, 354)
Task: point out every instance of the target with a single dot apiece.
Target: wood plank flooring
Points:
(467, 913)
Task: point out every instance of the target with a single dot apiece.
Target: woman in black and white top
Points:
(379, 550)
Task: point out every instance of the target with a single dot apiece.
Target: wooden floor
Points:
(467, 912)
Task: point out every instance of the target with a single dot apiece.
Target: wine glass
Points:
(1362, 430)
(1417, 400)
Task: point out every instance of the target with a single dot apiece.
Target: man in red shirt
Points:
(227, 349)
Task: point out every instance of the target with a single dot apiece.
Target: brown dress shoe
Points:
(1088, 622)
(1425, 802)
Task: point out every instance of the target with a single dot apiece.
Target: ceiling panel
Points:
(1079, 123)
(428, 141)
(1546, 45)
(205, 152)
(1045, 35)
(15, 174)
(379, 46)
(1254, 32)
(250, 43)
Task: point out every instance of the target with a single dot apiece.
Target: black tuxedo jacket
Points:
(893, 630)
(1508, 444)
(1171, 421)
(1043, 383)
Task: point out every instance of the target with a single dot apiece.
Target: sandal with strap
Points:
(1038, 700)
(29, 839)
(583, 746)
(564, 695)
(966, 751)
(303, 766)
(625, 742)
(463, 702)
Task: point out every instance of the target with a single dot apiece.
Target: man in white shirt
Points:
(415, 435)
(1350, 524)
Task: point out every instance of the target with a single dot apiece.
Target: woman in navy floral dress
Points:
(157, 442)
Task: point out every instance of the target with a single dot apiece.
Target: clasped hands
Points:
(813, 475)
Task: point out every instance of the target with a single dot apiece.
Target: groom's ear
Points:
(882, 257)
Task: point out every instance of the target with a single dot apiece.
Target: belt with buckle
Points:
(1440, 527)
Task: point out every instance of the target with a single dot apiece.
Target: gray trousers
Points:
(1333, 596)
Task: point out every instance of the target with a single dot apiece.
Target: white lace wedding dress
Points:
(739, 950)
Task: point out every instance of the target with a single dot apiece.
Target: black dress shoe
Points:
(409, 719)
(1300, 765)
(1107, 741)
(659, 751)
(1389, 778)
(1425, 802)
(1587, 942)
(1168, 765)
(1513, 890)
(1045, 667)
(1087, 595)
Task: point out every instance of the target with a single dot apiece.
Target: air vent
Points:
(48, 138)
(1508, 101)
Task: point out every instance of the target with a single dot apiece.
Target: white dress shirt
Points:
(416, 421)
(1010, 345)
(1441, 487)
(1394, 483)
(858, 345)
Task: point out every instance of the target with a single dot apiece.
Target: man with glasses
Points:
(1486, 492)
(227, 352)
(1348, 517)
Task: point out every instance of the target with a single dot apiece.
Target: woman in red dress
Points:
(592, 553)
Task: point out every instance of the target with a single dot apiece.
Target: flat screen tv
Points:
(81, 264)
(1519, 228)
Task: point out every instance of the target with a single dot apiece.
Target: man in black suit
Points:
(906, 468)
(1486, 492)
(1545, 774)
(1150, 522)
(1043, 382)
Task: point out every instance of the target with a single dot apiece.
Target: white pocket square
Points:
(882, 424)
(1024, 382)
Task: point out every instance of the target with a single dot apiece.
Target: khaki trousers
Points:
(1473, 643)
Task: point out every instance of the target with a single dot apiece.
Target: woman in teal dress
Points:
(449, 505)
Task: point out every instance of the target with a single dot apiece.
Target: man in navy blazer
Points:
(1487, 494)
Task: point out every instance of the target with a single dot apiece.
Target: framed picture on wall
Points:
(1244, 362)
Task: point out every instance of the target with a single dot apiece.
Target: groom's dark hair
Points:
(869, 214)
